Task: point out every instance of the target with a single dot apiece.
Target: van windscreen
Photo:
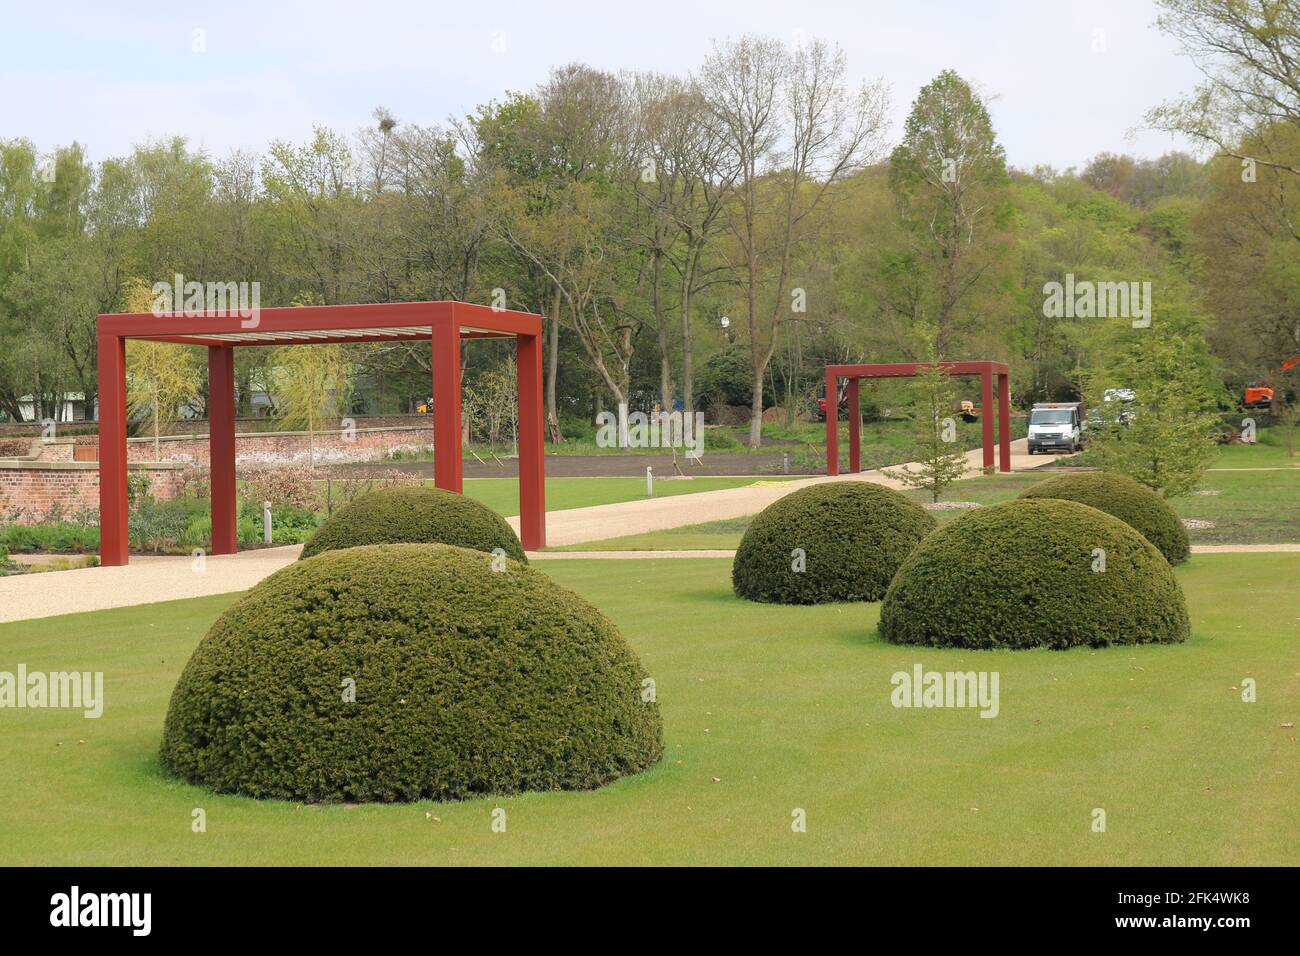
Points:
(1051, 416)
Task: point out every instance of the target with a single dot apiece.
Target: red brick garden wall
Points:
(274, 448)
(30, 490)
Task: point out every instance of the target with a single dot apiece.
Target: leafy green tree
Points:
(1248, 52)
(1168, 442)
(160, 376)
(312, 384)
(949, 178)
(940, 458)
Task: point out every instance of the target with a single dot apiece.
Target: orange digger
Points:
(1257, 395)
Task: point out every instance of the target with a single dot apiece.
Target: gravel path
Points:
(577, 525)
(145, 580)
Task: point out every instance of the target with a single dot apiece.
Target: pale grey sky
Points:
(1069, 78)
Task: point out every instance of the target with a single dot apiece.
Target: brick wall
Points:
(29, 490)
(361, 444)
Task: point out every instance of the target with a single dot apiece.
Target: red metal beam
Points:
(113, 541)
(1004, 422)
(221, 449)
(324, 318)
(832, 423)
(446, 406)
(986, 416)
(532, 468)
(855, 427)
(908, 369)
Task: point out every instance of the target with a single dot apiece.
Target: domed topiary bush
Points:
(415, 514)
(1130, 501)
(851, 536)
(408, 671)
(1034, 572)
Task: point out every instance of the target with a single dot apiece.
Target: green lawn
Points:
(766, 709)
(1247, 507)
(502, 494)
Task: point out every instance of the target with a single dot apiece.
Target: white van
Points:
(1056, 426)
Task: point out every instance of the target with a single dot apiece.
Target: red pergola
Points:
(855, 374)
(442, 323)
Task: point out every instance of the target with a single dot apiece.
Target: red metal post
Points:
(221, 448)
(832, 425)
(855, 427)
(1004, 421)
(986, 414)
(532, 474)
(113, 541)
(446, 405)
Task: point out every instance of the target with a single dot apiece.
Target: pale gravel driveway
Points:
(576, 525)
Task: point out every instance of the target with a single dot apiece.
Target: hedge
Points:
(1029, 573)
(467, 681)
(1130, 501)
(415, 514)
(853, 535)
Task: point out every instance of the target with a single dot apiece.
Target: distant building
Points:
(71, 409)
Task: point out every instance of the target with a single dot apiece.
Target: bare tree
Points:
(1249, 52)
(794, 127)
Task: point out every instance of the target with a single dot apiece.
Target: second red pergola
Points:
(855, 373)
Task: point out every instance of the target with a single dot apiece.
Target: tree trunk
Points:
(756, 412)
(622, 422)
(661, 327)
(552, 368)
(688, 362)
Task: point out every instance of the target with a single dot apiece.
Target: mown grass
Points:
(502, 494)
(1246, 506)
(766, 710)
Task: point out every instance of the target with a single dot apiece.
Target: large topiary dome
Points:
(1130, 501)
(853, 536)
(1021, 574)
(415, 514)
(466, 681)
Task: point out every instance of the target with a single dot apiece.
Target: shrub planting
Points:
(1130, 501)
(416, 514)
(405, 672)
(1034, 572)
(837, 541)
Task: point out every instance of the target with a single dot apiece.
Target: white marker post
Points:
(649, 482)
(266, 522)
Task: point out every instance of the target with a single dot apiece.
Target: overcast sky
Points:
(1069, 78)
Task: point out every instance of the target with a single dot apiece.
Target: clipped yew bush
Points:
(415, 514)
(409, 671)
(1030, 573)
(836, 541)
(1130, 501)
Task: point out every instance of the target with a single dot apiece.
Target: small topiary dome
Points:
(853, 536)
(1131, 502)
(1021, 574)
(415, 514)
(405, 672)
